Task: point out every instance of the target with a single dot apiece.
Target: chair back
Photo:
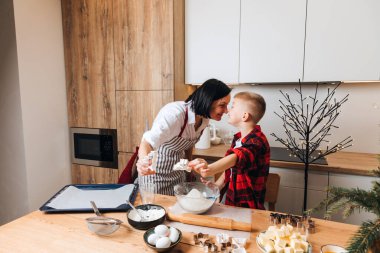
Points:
(273, 185)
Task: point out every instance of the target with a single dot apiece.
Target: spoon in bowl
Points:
(96, 210)
(134, 209)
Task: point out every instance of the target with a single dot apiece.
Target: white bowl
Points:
(216, 140)
(331, 248)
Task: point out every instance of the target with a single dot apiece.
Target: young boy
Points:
(246, 163)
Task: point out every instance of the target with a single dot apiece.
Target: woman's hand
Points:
(143, 167)
(200, 166)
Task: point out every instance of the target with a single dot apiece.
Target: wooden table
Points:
(339, 162)
(39, 232)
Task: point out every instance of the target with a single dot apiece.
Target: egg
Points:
(161, 230)
(163, 242)
(173, 236)
(153, 238)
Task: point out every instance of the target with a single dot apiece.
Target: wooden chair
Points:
(273, 185)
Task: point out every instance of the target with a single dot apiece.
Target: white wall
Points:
(43, 96)
(360, 116)
(43, 154)
(13, 183)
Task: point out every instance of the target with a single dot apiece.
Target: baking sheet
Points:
(77, 197)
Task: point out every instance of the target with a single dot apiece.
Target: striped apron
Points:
(169, 153)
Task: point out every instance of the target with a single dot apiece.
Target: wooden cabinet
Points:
(351, 181)
(342, 40)
(253, 41)
(143, 39)
(290, 198)
(135, 110)
(212, 40)
(83, 174)
(124, 61)
(89, 62)
(272, 35)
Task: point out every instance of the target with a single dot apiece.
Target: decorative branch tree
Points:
(308, 125)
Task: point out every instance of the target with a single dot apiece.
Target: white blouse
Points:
(168, 124)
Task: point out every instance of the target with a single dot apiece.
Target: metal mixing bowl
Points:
(103, 225)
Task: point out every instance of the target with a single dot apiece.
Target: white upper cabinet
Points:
(272, 40)
(212, 40)
(342, 40)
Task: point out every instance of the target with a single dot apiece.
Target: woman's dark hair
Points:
(207, 93)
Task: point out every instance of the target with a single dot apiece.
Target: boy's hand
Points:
(143, 167)
(200, 166)
(209, 183)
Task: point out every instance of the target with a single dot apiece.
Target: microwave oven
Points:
(93, 146)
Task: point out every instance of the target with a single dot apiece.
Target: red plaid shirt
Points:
(246, 181)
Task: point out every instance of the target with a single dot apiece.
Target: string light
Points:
(298, 120)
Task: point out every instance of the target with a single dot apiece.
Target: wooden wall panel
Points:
(181, 90)
(84, 174)
(134, 110)
(143, 32)
(89, 63)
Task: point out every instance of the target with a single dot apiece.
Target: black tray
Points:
(122, 208)
(282, 154)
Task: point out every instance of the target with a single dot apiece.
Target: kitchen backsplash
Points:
(360, 115)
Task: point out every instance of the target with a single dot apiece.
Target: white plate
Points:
(261, 247)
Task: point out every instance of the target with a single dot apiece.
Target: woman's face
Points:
(219, 107)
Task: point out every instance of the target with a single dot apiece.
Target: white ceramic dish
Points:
(261, 247)
(333, 248)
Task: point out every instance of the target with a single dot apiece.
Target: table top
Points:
(340, 162)
(40, 232)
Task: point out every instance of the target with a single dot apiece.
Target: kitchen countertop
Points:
(339, 162)
(40, 232)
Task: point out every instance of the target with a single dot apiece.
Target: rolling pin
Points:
(210, 221)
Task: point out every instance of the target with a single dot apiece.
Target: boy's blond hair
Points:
(256, 104)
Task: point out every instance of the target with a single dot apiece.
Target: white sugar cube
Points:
(295, 243)
(269, 249)
(278, 249)
(281, 243)
(280, 234)
(304, 245)
(270, 235)
(288, 250)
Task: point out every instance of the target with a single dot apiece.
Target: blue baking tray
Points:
(122, 208)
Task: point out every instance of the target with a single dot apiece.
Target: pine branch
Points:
(365, 238)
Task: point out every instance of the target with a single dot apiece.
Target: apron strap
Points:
(184, 124)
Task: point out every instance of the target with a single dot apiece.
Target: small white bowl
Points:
(216, 140)
(331, 248)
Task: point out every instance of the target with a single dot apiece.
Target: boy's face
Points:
(236, 112)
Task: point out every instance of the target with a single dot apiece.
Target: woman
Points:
(176, 129)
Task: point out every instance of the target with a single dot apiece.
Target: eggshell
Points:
(153, 238)
(173, 234)
(161, 230)
(163, 242)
